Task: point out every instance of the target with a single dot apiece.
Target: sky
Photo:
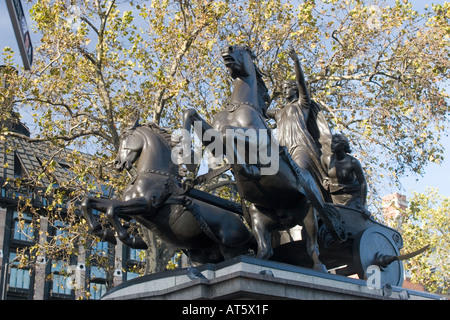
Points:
(436, 176)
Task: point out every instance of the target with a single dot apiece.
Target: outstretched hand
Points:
(292, 53)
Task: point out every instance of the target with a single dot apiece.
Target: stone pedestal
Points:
(249, 278)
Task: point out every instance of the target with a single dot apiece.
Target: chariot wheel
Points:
(369, 245)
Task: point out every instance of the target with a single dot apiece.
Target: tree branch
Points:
(90, 24)
(57, 137)
(159, 105)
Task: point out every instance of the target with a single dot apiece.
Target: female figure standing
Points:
(301, 126)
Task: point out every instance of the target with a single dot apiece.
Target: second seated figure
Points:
(346, 181)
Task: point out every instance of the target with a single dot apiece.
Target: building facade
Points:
(393, 204)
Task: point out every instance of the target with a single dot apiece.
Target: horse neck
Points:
(245, 89)
(155, 154)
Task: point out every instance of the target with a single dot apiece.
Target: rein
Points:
(162, 173)
(235, 105)
(189, 184)
(169, 196)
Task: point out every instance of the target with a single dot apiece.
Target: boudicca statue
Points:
(302, 127)
(281, 180)
(287, 196)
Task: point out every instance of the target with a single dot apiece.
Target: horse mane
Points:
(263, 91)
(164, 132)
(167, 135)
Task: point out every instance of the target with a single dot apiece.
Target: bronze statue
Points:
(283, 189)
(156, 200)
(280, 200)
(346, 181)
(302, 127)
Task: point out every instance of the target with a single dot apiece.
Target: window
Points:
(97, 273)
(60, 278)
(97, 290)
(18, 278)
(175, 261)
(100, 257)
(23, 227)
(60, 232)
(97, 283)
(21, 279)
(136, 255)
(134, 261)
(18, 169)
(131, 275)
(100, 248)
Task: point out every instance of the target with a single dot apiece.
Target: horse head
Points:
(130, 147)
(239, 60)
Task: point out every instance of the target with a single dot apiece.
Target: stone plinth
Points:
(249, 278)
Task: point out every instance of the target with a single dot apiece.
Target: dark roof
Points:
(31, 157)
(18, 155)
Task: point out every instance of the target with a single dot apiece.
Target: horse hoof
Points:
(136, 243)
(106, 235)
(264, 254)
(320, 267)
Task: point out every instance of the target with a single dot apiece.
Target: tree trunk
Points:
(158, 253)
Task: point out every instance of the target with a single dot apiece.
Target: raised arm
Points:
(302, 89)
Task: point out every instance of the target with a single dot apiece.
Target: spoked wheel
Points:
(375, 242)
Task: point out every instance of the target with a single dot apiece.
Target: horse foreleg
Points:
(87, 205)
(190, 119)
(190, 116)
(137, 206)
(242, 147)
(312, 246)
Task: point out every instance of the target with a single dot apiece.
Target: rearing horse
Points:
(279, 200)
(155, 199)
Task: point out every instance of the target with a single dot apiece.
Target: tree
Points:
(426, 221)
(378, 72)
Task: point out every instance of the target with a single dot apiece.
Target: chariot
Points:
(368, 243)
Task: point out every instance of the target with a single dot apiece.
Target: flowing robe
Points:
(303, 129)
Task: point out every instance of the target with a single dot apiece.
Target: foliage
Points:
(378, 71)
(427, 221)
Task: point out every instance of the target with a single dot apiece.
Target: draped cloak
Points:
(306, 140)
